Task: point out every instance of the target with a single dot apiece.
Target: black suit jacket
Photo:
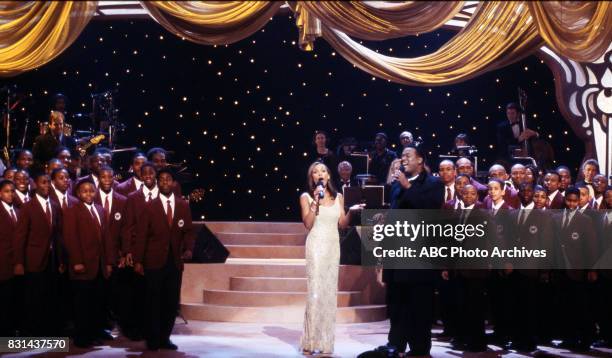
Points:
(426, 192)
(46, 145)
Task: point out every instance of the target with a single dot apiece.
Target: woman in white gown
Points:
(322, 214)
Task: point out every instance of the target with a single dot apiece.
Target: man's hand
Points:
(122, 262)
(527, 133)
(401, 178)
(79, 268)
(18, 270)
(109, 270)
(129, 260)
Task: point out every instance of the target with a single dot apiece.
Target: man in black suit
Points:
(345, 176)
(46, 145)
(410, 293)
(509, 132)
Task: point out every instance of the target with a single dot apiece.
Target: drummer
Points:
(46, 145)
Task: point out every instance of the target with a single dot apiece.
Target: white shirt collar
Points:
(164, 200)
(59, 194)
(103, 196)
(528, 207)
(583, 208)
(22, 196)
(553, 194)
(496, 207)
(467, 207)
(7, 207)
(92, 206)
(137, 182)
(43, 202)
(154, 192)
(450, 186)
(458, 204)
(414, 177)
(96, 180)
(598, 201)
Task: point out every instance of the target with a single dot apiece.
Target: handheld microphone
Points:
(322, 193)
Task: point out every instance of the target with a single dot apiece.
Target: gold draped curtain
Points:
(499, 33)
(33, 33)
(382, 20)
(579, 30)
(212, 22)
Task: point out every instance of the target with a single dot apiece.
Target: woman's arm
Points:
(308, 211)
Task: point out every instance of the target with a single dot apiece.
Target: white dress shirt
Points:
(103, 196)
(8, 209)
(496, 207)
(60, 195)
(154, 192)
(89, 208)
(22, 196)
(552, 195)
(43, 203)
(164, 199)
(527, 211)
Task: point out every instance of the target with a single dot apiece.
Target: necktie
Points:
(462, 216)
(13, 216)
(49, 214)
(141, 186)
(94, 216)
(106, 207)
(521, 217)
(565, 220)
(26, 198)
(64, 203)
(448, 194)
(169, 213)
(150, 197)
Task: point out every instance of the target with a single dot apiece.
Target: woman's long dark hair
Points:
(312, 185)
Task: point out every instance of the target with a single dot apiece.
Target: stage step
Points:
(267, 299)
(257, 238)
(256, 227)
(267, 251)
(269, 284)
(285, 314)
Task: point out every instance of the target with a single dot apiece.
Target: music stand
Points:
(359, 161)
(371, 195)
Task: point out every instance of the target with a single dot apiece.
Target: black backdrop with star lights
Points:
(242, 116)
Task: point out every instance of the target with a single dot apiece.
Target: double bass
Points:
(537, 148)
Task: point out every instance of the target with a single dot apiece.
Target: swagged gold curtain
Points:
(382, 20)
(579, 30)
(212, 22)
(33, 33)
(498, 34)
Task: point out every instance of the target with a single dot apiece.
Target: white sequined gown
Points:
(322, 261)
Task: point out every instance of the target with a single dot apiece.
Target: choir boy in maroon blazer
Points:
(133, 285)
(599, 187)
(552, 183)
(134, 183)
(60, 185)
(164, 239)
(113, 205)
(38, 255)
(8, 226)
(90, 261)
(22, 187)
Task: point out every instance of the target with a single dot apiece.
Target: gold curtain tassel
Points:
(309, 28)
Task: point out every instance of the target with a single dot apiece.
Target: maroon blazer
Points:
(34, 237)
(511, 199)
(70, 200)
(17, 200)
(87, 243)
(134, 207)
(117, 218)
(126, 187)
(154, 237)
(7, 235)
(558, 202)
(577, 244)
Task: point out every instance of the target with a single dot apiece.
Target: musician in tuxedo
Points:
(38, 255)
(46, 145)
(577, 247)
(464, 166)
(345, 177)
(164, 239)
(448, 173)
(497, 171)
(410, 292)
(552, 183)
(134, 183)
(8, 226)
(588, 170)
(509, 132)
(133, 285)
(22, 187)
(599, 187)
(566, 178)
(91, 256)
(532, 229)
(60, 193)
